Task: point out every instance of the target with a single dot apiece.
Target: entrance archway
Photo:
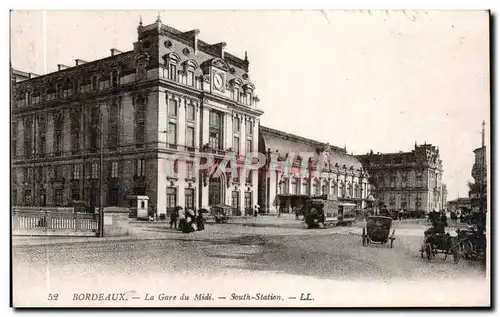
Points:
(216, 192)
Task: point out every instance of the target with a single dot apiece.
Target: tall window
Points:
(14, 138)
(58, 132)
(392, 201)
(172, 73)
(294, 189)
(393, 180)
(404, 200)
(94, 128)
(42, 130)
(189, 170)
(114, 169)
(236, 94)
(140, 168)
(95, 170)
(190, 137)
(140, 121)
(215, 134)
(189, 196)
(95, 83)
(248, 202)
(76, 86)
(236, 124)
(113, 127)
(171, 198)
(190, 78)
(58, 197)
(235, 202)
(75, 131)
(28, 136)
(172, 135)
(27, 198)
(249, 177)
(248, 145)
(114, 79)
(172, 108)
(236, 144)
(249, 128)
(59, 172)
(190, 112)
(76, 172)
(316, 189)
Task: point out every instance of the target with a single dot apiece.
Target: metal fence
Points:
(53, 221)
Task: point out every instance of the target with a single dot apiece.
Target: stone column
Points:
(127, 119)
(242, 134)
(181, 123)
(205, 126)
(272, 192)
(198, 126)
(50, 133)
(228, 131)
(161, 186)
(162, 119)
(255, 146)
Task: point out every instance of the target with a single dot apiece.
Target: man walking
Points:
(173, 218)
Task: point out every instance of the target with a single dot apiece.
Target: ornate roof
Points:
(284, 143)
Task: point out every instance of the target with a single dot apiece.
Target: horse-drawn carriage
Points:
(378, 230)
(435, 243)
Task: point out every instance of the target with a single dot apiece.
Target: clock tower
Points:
(217, 68)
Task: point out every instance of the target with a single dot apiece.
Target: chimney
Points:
(114, 52)
(61, 66)
(195, 41)
(79, 62)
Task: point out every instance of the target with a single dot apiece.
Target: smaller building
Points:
(410, 180)
(459, 204)
(306, 168)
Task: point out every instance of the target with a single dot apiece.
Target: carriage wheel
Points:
(306, 225)
(364, 237)
(428, 251)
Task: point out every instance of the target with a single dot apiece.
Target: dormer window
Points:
(59, 90)
(28, 98)
(236, 94)
(172, 72)
(114, 79)
(171, 60)
(190, 78)
(76, 85)
(95, 83)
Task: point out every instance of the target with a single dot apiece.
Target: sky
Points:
(369, 80)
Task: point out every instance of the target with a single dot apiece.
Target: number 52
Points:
(54, 296)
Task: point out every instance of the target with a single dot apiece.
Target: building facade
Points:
(312, 169)
(411, 181)
(151, 111)
(459, 204)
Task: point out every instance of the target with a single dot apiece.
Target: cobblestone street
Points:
(157, 256)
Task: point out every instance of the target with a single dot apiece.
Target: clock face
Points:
(218, 81)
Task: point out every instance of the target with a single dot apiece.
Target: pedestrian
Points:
(200, 221)
(173, 218)
(296, 212)
(401, 214)
(256, 210)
